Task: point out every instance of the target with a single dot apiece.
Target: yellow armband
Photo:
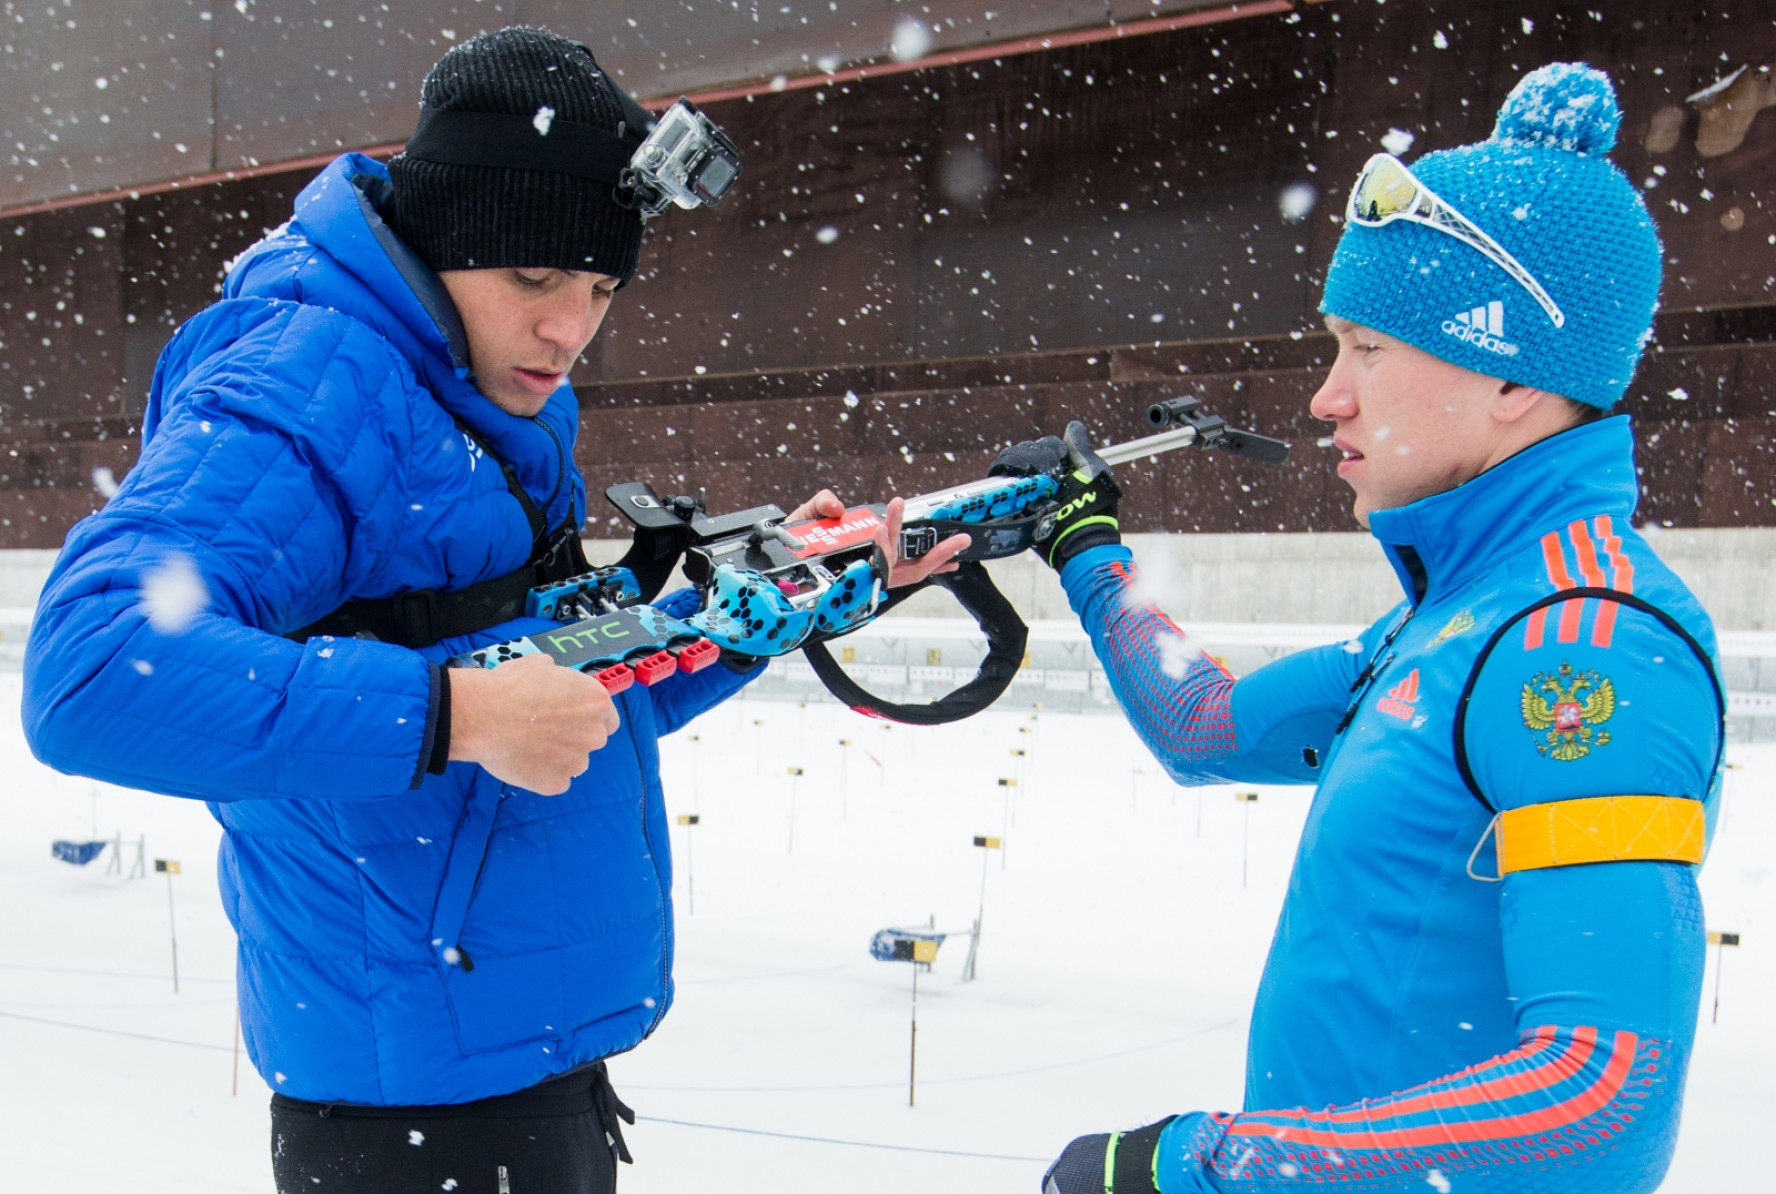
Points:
(1597, 829)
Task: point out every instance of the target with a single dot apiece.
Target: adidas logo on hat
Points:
(1482, 326)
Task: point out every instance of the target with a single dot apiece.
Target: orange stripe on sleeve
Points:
(1557, 1069)
(1573, 612)
(1554, 559)
(1586, 553)
(1621, 577)
(1587, 1102)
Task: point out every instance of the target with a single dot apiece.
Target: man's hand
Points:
(1107, 1163)
(941, 558)
(1087, 493)
(530, 723)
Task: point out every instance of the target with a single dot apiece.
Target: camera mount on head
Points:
(650, 163)
(684, 159)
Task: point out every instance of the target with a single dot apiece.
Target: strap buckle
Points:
(415, 614)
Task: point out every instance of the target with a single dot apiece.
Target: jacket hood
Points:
(376, 279)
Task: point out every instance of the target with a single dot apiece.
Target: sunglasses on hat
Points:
(1386, 191)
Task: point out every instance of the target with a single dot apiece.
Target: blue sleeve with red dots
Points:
(1273, 726)
(1577, 1108)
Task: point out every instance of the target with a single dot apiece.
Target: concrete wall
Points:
(1344, 578)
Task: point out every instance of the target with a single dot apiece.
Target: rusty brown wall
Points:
(1002, 238)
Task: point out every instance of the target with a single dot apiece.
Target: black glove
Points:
(1081, 1167)
(1087, 493)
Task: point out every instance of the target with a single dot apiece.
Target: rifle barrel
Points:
(1148, 445)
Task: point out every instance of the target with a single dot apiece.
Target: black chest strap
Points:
(428, 616)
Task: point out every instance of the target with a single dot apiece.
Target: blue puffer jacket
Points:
(404, 938)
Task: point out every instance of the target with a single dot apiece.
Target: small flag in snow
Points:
(167, 866)
(986, 843)
(689, 818)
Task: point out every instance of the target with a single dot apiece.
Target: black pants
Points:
(560, 1137)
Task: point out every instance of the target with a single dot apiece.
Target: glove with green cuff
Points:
(1087, 493)
(1108, 1163)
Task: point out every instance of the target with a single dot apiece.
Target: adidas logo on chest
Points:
(1401, 700)
(1483, 327)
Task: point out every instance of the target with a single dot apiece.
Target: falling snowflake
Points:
(173, 593)
(1397, 141)
(911, 40)
(1297, 201)
(1175, 655)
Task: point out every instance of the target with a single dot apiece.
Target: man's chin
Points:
(522, 404)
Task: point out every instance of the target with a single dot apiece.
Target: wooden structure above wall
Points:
(918, 268)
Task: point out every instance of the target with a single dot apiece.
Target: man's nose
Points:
(1334, 399)
(569, 323)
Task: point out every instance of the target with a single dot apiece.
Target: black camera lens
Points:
(714, 179)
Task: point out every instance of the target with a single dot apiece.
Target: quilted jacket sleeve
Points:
(156, 659)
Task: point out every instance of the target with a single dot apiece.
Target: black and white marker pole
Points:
(795, 784)
(170, 867)
(1006, 816)
(1248, 799)
(1720, 941)
(920, 953)
(845, 778)
(986, 845)
(688, 820)
(918, 946)
(695, 738)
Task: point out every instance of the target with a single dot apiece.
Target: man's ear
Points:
(1513, 403)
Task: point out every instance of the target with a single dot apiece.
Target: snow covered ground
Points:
(1121, 946)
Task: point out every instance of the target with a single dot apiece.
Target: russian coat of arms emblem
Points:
(1564, 708)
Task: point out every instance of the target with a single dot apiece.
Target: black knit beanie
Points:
(490, 217)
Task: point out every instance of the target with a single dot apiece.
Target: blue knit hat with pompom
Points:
(1542, 187)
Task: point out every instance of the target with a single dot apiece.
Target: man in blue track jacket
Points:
(1487, 967)
(433, 957)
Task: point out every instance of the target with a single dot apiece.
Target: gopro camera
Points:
(685, 159)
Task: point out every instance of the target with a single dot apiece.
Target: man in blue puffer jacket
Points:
(1486, 971)
(433, 957)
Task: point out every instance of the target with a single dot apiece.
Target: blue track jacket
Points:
(404, 938)
(1415, 1024)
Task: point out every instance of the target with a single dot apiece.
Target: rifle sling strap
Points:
(1006, 633)
(428, 616)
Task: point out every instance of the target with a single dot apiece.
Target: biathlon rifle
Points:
(770, 588)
